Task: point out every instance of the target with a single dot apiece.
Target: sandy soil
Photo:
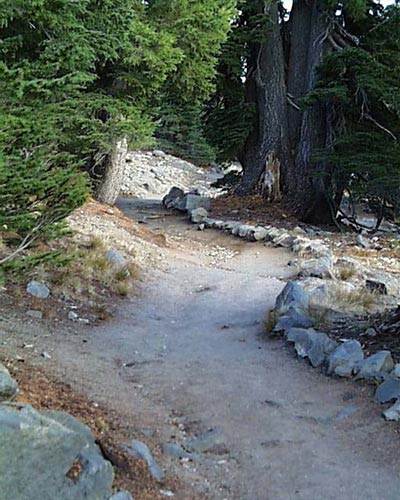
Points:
(189, 354)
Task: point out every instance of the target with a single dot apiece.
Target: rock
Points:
(8, 386)
(294, 320)
(37, 289)
(33, 313)
(343, 360)
(317, 268)
(293, 296)
(122, 495)
(376, 287)
(198, 215)
(383, 283)
(73, 316)
(45, 355)
(159, 154)
(393, 413)
(37, 452)
(375, 366)
(177, 451)
(116, 259)
(141, 450)
(312, 344)
(173, 198)
(396, 371)
(204, 442)
(260, 233)
(245, 231)
(284, 240)
(191, 201)
(388, 391)
(362, 242)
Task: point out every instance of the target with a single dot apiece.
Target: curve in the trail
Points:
(195, 343)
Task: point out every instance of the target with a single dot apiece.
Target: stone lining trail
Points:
(189, 357)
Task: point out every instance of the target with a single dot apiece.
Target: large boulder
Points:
(173, 198)
(47, 457)
(393, 413)
(8, 386)
(343, 360)
(317, 268)
(388, 391)
(198, 215)
(311, 344)
(375, 366)
(292, 319)
(191, 201)
(292, 296)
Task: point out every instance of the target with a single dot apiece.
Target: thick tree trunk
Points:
(265, 153)
(284, 138)
(113, 173)
(311, 196)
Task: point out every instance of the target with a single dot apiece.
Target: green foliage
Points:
(76, 75)
(361, 85)
(200, 29)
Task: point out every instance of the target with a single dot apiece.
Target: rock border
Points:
(291, 315)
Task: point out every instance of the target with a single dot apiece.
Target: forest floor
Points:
(186, 354)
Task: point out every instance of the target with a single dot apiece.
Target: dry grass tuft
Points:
(346, 273)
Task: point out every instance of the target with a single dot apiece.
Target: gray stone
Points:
(284, 240)
(362, 242)
(159, 154)
(343, 360)
(309, 343)
(198, 215)
(393, 413)
(375, 366)
(396, 371)
(245, 231)
(376, 287)
(37, 452)
(73, 316)
(293, 296)
(173, 198)
(37, 289)
(317, 268)
(204, 442)
(260, 233)
(191, 201)
(122, 495)
(388, 391)
(8, 386)
(294, 320)
(140, 450)
(116, 259)
(383, 283)
(33, 313)
(177, 451)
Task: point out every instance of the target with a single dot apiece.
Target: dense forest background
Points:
(307, 100)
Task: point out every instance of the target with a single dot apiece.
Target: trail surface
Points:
(188, 354)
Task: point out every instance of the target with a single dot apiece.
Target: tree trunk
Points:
(284, 138)
(113, 173)
(311, 199)
(265, 153)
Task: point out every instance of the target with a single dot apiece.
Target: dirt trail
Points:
(189, 354)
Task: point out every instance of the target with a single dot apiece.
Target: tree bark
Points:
(265, 152)
(283, 134)
(113, 173)
(311, 198)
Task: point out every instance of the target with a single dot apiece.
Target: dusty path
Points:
(189, 354)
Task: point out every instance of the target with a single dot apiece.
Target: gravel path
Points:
(188, 355)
